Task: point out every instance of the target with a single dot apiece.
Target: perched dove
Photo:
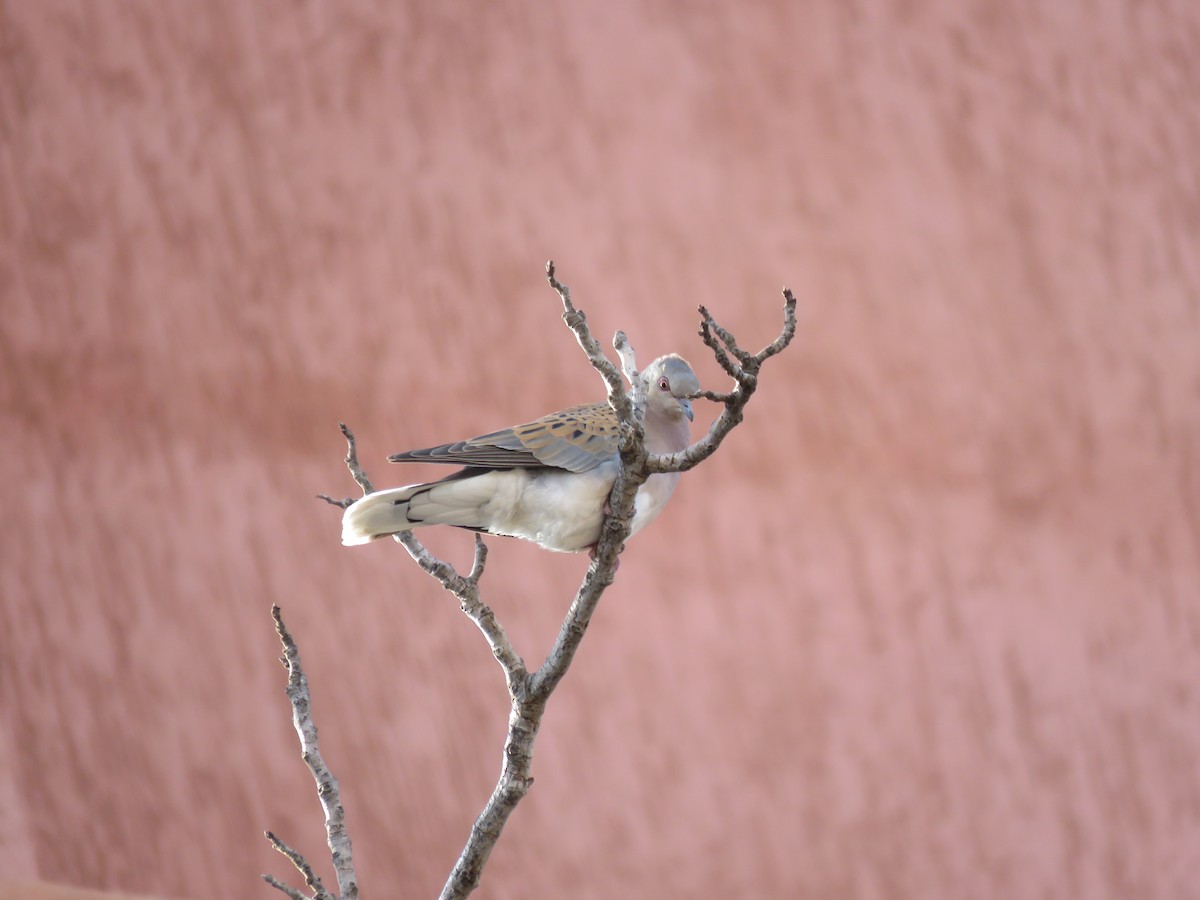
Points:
(547, 481)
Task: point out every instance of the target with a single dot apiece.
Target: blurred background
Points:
(926, 626)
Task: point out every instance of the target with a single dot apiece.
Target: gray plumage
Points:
(545, 481)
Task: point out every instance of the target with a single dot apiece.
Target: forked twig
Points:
(327, 786)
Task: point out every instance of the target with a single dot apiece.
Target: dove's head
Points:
(670, 381)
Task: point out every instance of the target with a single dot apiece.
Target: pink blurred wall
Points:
(928, 625)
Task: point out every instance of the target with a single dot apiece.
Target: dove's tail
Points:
(457, 500)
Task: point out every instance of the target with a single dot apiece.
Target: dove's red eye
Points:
(663, 384)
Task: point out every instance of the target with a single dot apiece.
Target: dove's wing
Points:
(576, 439)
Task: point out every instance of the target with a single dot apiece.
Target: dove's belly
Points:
(564, 511)
(558, 510)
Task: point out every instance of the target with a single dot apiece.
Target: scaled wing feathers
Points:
(576, 439)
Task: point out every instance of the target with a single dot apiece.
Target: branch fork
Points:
(327, 787)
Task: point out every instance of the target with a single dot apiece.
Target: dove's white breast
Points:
(564, 511)
(559, 510)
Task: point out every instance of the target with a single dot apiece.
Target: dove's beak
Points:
(686, 405)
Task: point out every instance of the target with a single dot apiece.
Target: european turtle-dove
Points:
(547, 481)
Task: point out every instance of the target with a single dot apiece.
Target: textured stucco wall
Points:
(929, 624)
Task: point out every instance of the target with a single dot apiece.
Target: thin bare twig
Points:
(711, 325)
(356, 471)
(631, 427)
(287, 889)
(745, 375)
(577, 322)
(297, 859)
(714, 396)
(714, 345)
(327, 786)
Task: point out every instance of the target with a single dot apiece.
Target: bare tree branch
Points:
(327, 785)
(637, 390)
(577, 322)
(637, 465)
(287, 889)
(745, 375)
(709, 326)
(628, 360)
(310, 877)
(356, 471)
(530, 691)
